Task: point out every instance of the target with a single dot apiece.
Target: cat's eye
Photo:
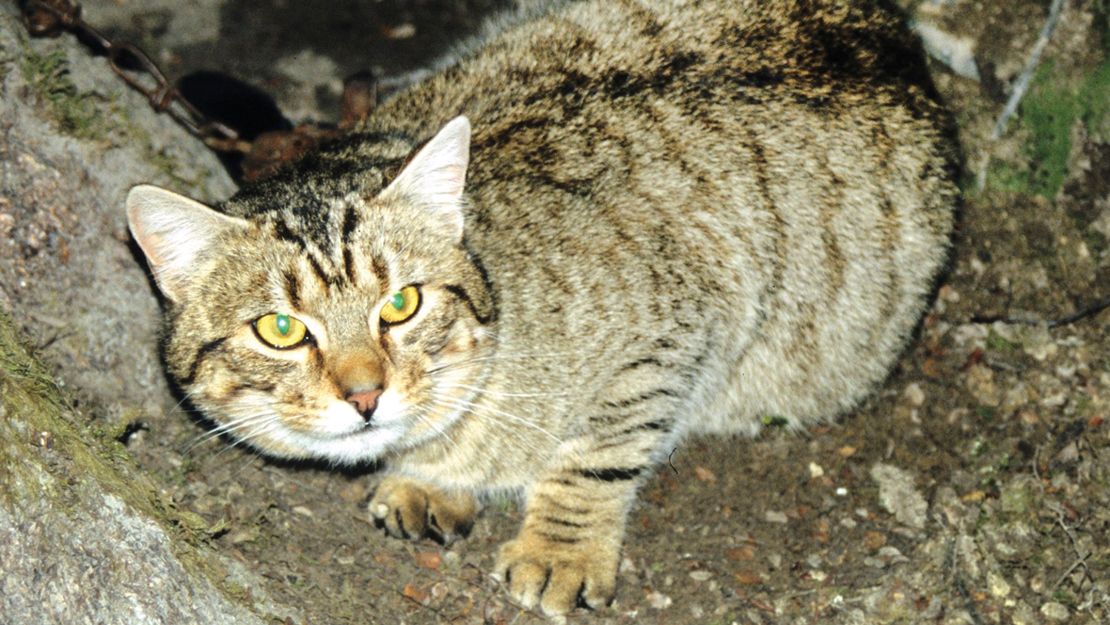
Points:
(401, 305)
(280, 331)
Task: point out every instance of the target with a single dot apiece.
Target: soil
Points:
(974, 487)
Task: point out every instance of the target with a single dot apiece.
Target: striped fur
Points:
(677, 217)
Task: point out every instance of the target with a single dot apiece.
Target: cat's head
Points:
(344, 327)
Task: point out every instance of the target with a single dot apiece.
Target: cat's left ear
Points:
(435, 177)
(175, 233)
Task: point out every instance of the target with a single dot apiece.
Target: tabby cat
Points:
(612, 224)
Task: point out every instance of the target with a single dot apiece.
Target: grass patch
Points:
(1049, 112)
(75, 113)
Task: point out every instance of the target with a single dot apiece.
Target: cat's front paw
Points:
(407, 508)
(554, 575)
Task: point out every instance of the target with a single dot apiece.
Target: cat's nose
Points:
(365, 402)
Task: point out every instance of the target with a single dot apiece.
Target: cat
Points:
(611, 225)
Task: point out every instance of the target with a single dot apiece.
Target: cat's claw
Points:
(556, 577)
(407, 508)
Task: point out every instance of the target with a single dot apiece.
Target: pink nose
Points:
(365, 402)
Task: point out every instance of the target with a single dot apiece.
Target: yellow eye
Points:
(401, 305)
(280, 331)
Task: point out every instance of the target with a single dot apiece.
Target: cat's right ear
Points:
(173, 232)
(436, 176)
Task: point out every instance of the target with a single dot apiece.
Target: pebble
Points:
(303, 511)
(914, 394)
(658, 600)
(1055, 611)
(773, 516)
(898, 495)
(816, 470)
(701, 576)
(998, 585)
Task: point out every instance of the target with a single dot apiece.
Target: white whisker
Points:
(484, 391)
(469, 406)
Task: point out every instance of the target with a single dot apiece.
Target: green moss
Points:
(775, 421)
(985, 414)
(77, 459)
(75, 112)
(995, 341)
(1049, 111)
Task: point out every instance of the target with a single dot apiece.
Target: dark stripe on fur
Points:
(609, 475)
(292, 290)
(635, 364)
(201, 354)
(283, 232)
(659, 392)
(564, 523)
(460, 293)
(566, 540)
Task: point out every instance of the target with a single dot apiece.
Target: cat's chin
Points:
(366, 444)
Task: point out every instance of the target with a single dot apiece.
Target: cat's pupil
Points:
(397, 301)
(282, 323)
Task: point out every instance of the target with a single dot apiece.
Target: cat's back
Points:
(764, 187)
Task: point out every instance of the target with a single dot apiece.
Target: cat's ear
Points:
(173, 231)
(436, 175)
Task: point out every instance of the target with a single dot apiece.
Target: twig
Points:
(1089, 311)
(1021, 85)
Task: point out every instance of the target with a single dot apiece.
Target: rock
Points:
(1054, 611)
(87, 537)
(898, 495)
(73, 140)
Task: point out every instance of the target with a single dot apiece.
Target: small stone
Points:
(899, 496)
(816, 470)
(874, 540)
(658, 600)
(914, 394)
(892, 555)
(998, 585)
(705, 474)
(701, 576)
(776, 517)
(627, 566)
(303, 511)
(1055, 611)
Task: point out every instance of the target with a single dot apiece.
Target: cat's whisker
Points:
(230, 427)
(486, 411)
(477, 360)
(484, 391)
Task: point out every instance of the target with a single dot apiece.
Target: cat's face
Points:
(342, 336)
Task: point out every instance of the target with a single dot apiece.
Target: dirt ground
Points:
(973, 488)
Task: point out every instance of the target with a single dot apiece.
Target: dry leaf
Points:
(748, 576)
(705, 474)
(741, 553)
(417, 595)
(428, 559)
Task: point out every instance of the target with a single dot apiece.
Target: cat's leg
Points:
(409, 508)
(569, 544)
